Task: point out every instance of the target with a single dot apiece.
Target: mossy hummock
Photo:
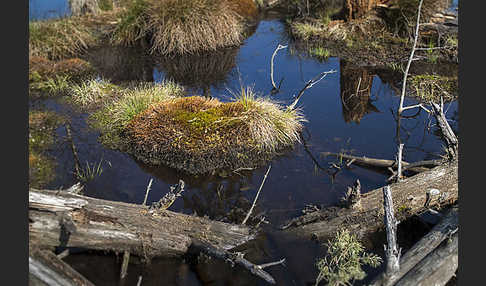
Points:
(199, 135)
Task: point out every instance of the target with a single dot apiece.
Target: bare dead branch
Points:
(147, 192)
(405, 75)
(308, 85)
(256, 197)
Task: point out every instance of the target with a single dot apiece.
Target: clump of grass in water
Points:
(93, 91)
(199, 135)
(181, 26)
(128, 103)
(306, 31)
(344, 260)
(60, 38)
(90, 172)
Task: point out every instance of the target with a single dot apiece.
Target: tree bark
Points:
(436, 187)
(57, 218)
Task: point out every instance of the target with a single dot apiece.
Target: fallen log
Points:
(58, 218)
(45, 268)
(433, 188)
(437, 268)
(381, 163)
(444, 229)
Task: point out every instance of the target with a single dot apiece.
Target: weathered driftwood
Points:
(446, 130)
(57, 218)
(437, 268)
(45, 268)
(392, 251)
(436, 187)
(382, 163)
(422, 248)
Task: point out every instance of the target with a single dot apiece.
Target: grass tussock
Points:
(121, 105)
(60, 38)
(55, 77)
(199, 135)
(429, 87)
(180, 27)
(42, 125)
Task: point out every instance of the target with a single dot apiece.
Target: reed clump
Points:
(181, 27)
(55, 77)
(60, 38)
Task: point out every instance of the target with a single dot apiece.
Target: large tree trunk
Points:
(436, 187)
(58, 218)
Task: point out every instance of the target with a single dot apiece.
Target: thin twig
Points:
(256, 197)
(139, 280)
(404, 84)
(265, 265)
(147, 192)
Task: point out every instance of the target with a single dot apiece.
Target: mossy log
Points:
(59, 218)
(433, 188)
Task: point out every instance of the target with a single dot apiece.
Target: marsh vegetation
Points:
(163, 91)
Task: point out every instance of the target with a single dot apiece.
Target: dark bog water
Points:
(338, 120)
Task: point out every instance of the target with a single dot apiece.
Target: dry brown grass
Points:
(193, 25)
(181, 27)
(58, 39)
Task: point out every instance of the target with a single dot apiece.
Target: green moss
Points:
(105, 5)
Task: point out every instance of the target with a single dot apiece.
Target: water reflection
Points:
(356, 83)
(122, 63)
(199, 71)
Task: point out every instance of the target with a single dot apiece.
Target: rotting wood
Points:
(437, 268)
(409, 196)
(45, 268)
(384, 163)
(440, 232)
(57, 217)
